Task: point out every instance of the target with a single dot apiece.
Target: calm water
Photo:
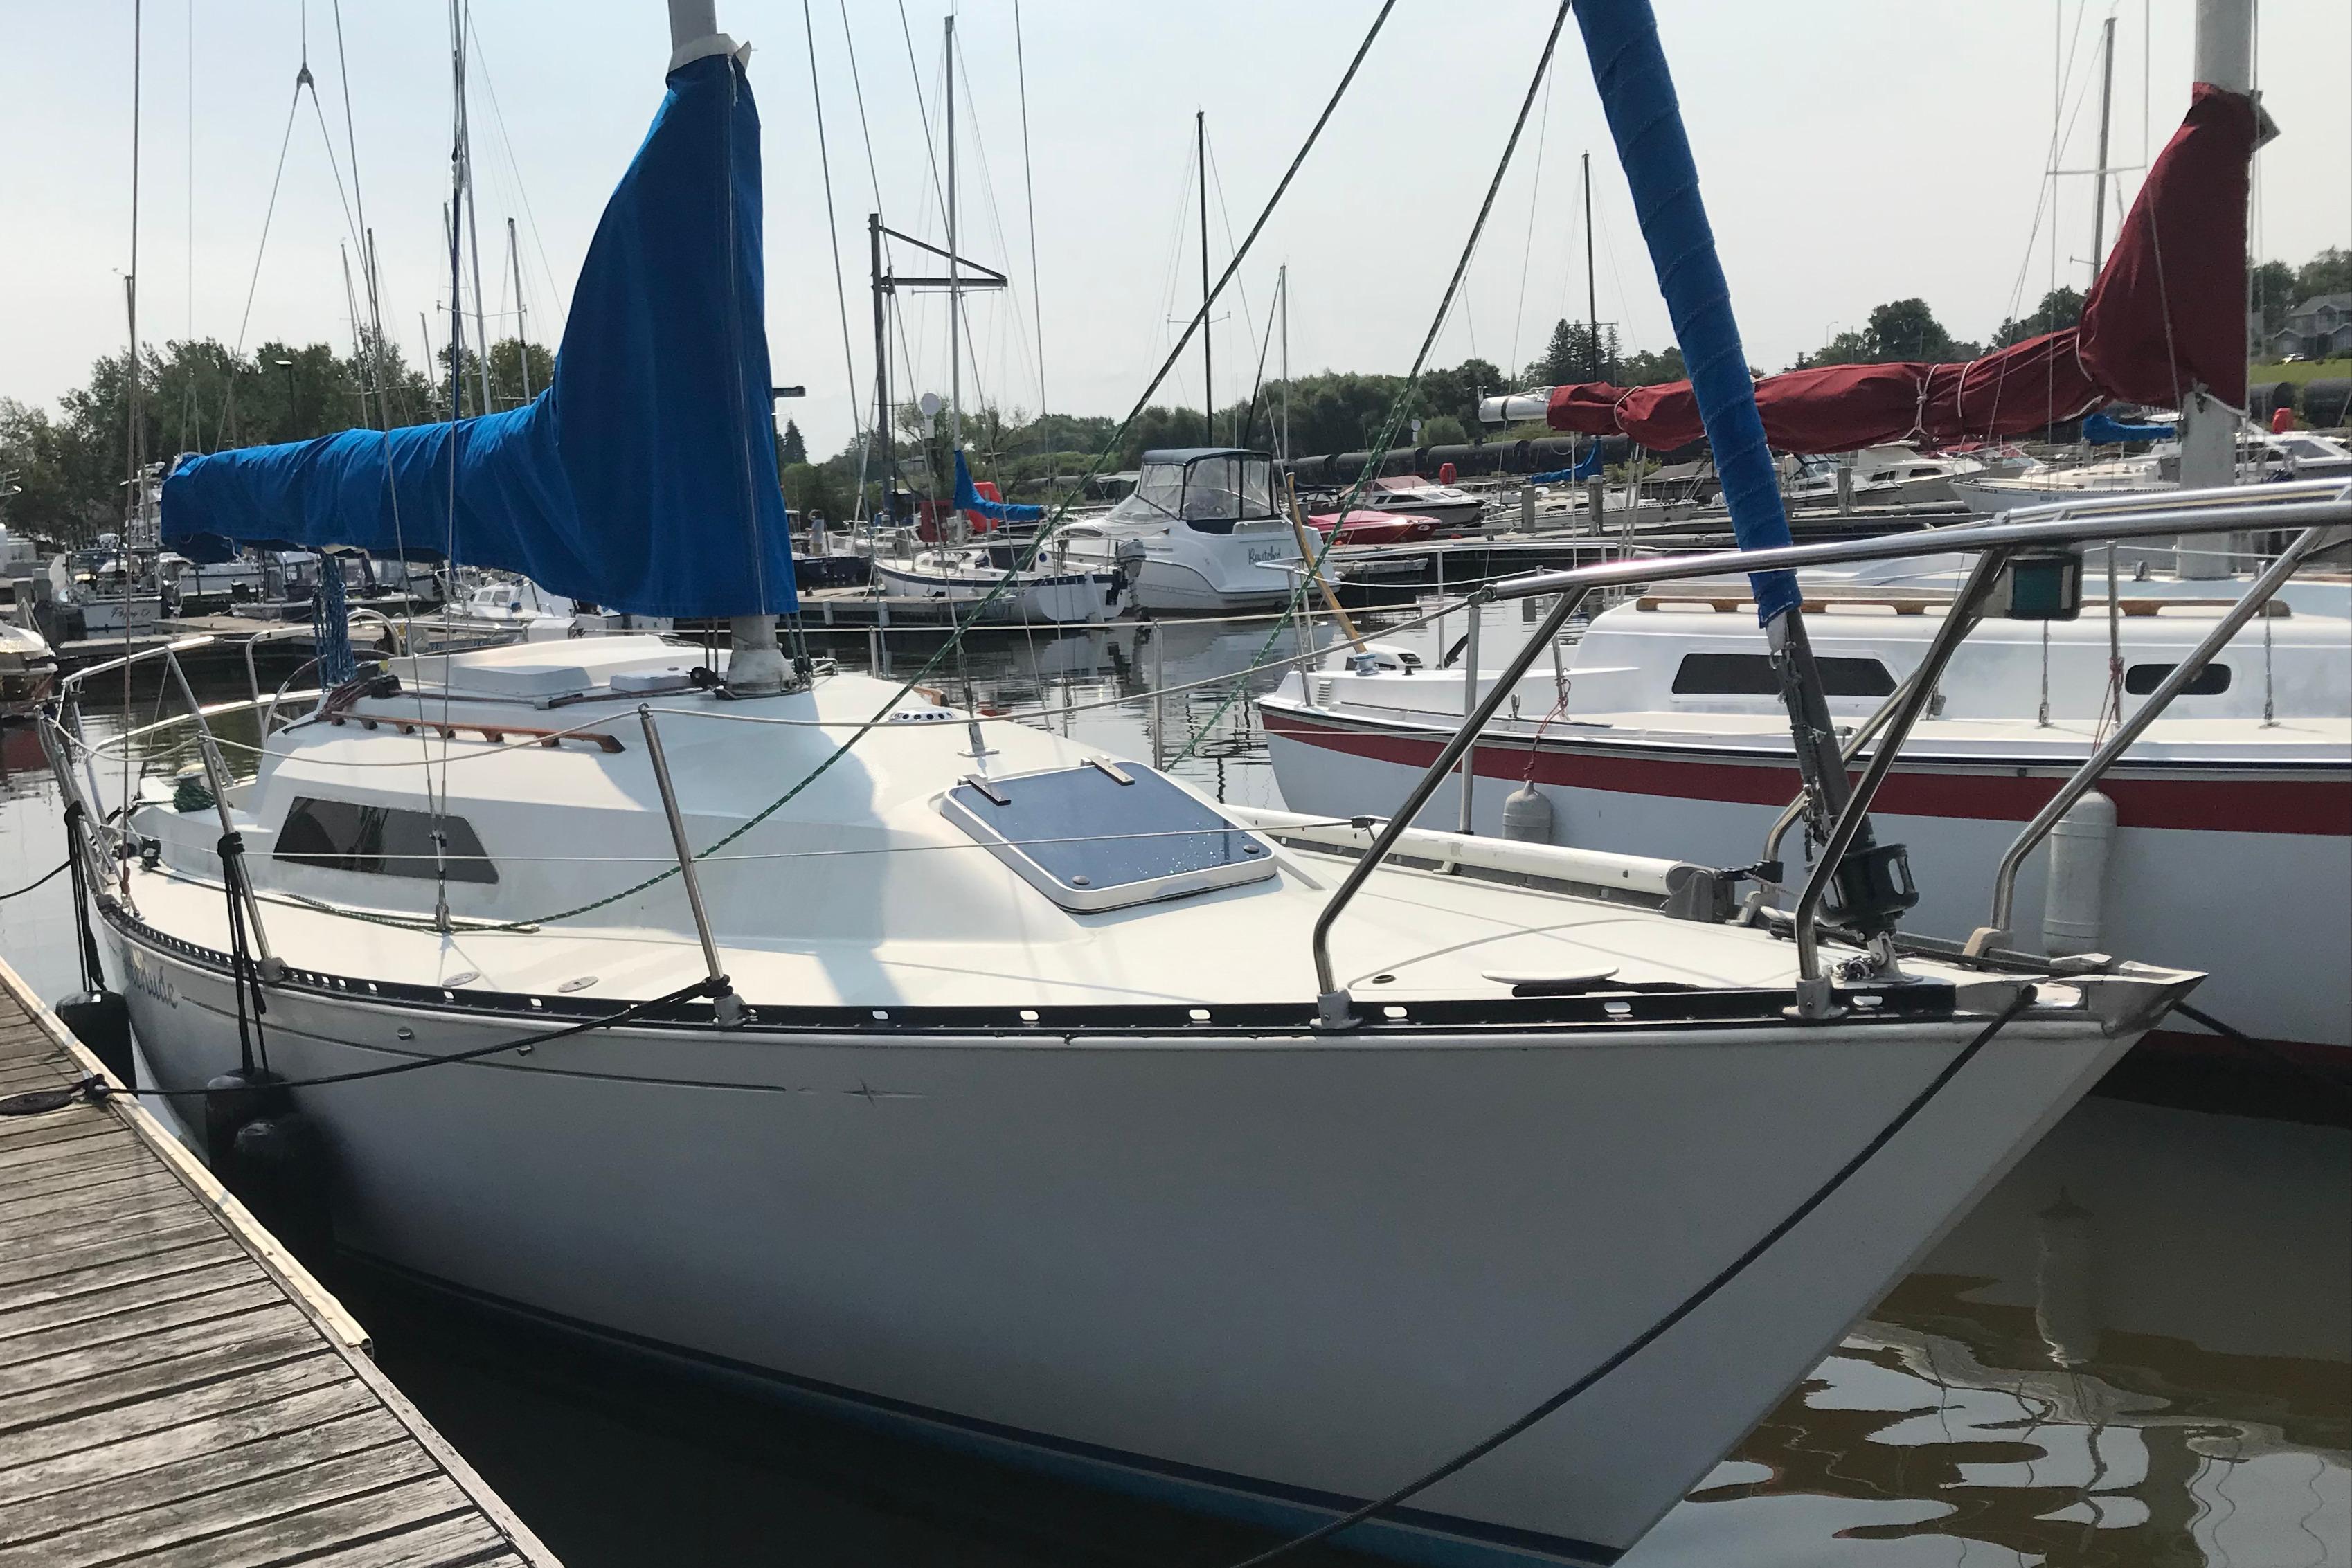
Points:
(2137, 1350)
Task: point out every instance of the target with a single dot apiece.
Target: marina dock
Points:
(174, 1386)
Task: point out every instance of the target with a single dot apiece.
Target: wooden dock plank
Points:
(138, 1293)
(66, 1514)
(137, 1322)
(200, 1442)
(175, 1388)
(426, 1500)
(138, 1522)
(99, 1429)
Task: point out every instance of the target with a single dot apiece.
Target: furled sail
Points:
(2163, 315)
(967, 498)
(644, 479)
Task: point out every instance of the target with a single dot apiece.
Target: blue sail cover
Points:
(968, 499)
(2104, 429)
(1585, 467)
(1645, 120)
(644, 479)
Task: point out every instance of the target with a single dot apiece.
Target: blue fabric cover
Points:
(644, 479)
(1637, 93)
(1585, 467)
(2100, 429)
(968, 499)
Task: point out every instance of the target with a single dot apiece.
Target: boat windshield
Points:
(1210, 493)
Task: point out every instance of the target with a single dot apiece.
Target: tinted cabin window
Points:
(1751, 675)
(2209, 681)
(342, 835)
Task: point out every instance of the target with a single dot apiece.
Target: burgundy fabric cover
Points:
(2180, 250)
(2168, 308)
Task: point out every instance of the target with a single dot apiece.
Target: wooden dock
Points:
(175, 1388)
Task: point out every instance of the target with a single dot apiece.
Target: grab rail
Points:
(2306, 504)
(1995, 932)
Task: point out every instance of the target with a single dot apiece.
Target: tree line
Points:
(62, 475)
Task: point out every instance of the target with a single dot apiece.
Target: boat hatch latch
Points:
(995, 796)
(1871, 889)
(1116, 774)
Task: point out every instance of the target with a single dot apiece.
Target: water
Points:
(2137, 1349)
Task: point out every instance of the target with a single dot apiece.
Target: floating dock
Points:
(175, 1388)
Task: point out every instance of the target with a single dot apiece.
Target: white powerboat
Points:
(1450, 505)
(1204, 522)
(1892, 475)
(1050, 592)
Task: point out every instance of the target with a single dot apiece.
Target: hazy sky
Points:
(1853, 152)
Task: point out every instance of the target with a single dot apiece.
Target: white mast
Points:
(1282, 287)
(955, 287)
(2209, 428)
(2107, 104)
(754, 663)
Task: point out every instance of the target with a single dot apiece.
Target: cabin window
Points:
(2209, 681)
(1752, 675)
(383, 840)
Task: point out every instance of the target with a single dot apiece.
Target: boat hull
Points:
(1262, 1274)
(1071, 599)
(2243, 872)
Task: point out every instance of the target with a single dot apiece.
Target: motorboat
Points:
(1891, 474)
(105, 590)
(1372, 525)
(1448, 506)
(1205, 523)
(2262, 457)
(28, 667)
(923, 1065)
(2228, 838)
(989, 578)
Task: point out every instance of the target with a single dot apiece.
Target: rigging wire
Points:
(833, 231)
(1526, 255)
(1029, 193)
(1054, 520)
(1405, 389)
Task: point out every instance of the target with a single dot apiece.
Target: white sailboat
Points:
(942, 1070)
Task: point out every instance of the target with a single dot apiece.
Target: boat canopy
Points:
(2149, 330)
(1211, 489)
(644, 479)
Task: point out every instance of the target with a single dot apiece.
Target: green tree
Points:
(1571, 356)
(2060, 308)
(2329, 272)
(792, 449)
(510, 359)
(1642, 369)
(1898, 329)
(2272, 287)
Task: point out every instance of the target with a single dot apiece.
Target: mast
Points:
(2106, 103)
(2209, 428)
(1208, 364)
(1592, 287)
(755, 664)
(955, 285)
(881, 362)
(1282, 287)
(462, 207)
(522, 318)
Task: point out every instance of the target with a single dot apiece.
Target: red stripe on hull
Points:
(2316, 807)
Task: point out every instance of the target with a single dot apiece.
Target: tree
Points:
(1644, 369)
(2060, 309)
(2273, 292)
(508, 384)
(1445, 430)
(1570, 357)
(1898, 329)
(2329, 272)
(793, 448)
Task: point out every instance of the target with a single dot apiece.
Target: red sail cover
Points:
(2164, 313)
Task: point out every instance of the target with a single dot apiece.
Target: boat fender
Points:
(281, 1175)
(1526, 816)
(101, 1020)
(231, 1101)
(2081, 845)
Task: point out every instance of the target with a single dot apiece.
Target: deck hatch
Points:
(1091, 840)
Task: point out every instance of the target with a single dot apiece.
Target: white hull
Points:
(1258, 1272)
(1064, 599)
(2255, 903)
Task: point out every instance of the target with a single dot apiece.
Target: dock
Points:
(175, 1388)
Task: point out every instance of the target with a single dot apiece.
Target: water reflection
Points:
(2135, 1350)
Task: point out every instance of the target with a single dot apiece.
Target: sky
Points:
(1851, 152)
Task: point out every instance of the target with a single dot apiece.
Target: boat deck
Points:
(175, 1388)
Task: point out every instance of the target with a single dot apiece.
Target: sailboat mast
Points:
(1282, 287)
(522, 318)
(881, 365)
(1208, 363)
(2106, 103)
(1591, 287)
(2209, 427)
(955, 283)
(464, 160)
